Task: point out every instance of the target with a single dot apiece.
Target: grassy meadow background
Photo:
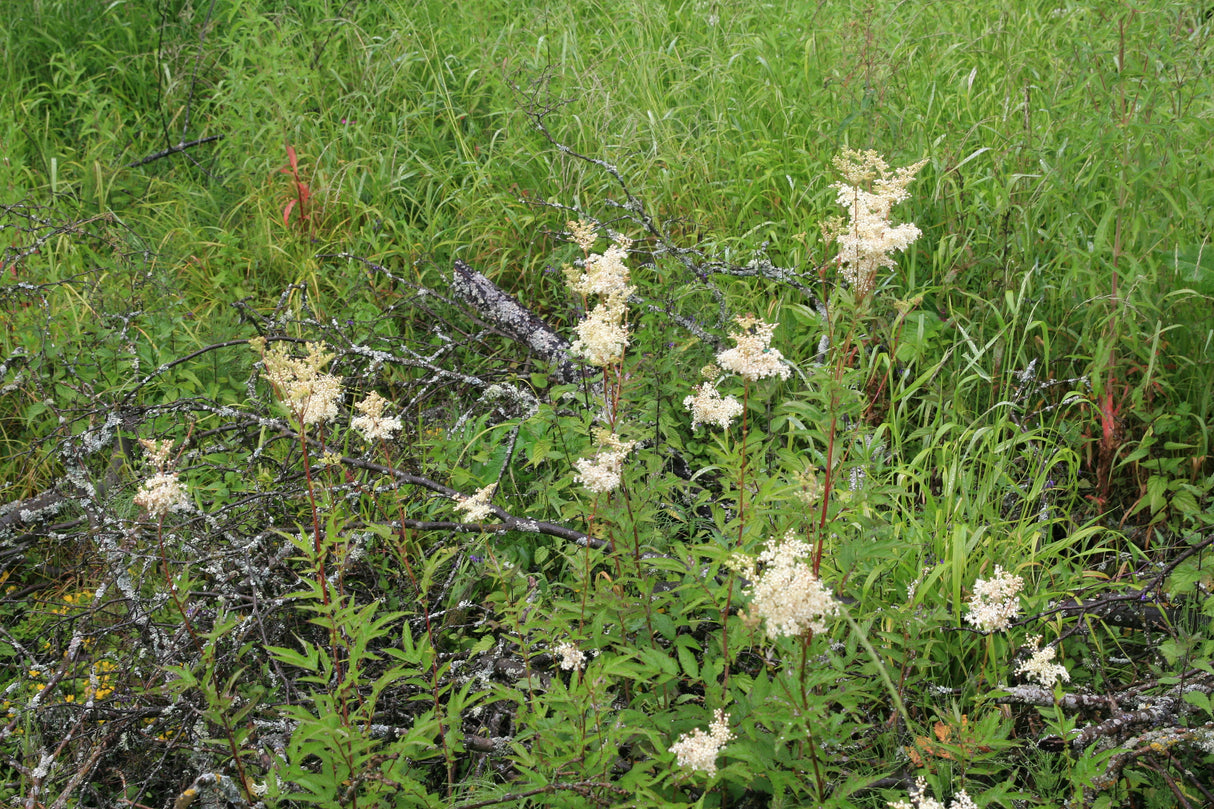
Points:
(1033, 388)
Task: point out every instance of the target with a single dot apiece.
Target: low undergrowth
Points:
(401, 410)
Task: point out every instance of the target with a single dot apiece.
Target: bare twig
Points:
(180, 147)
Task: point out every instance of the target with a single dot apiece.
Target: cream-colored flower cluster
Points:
(373, 424)
(708, 406)
(995, 602)
(302, 387)
(604, 274)
(602, 473)
(868, 191)
(753, 358)
(698, 750)
(1039, 666)
(603, 336)
(163, 492)
(571, 657)
(158, 451)
(583, 234)
(786, 593)
(476, 508)
(920, 800)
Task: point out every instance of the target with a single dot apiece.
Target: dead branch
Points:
(172, 150)
(514, 320)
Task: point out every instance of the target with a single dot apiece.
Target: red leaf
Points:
(286, 212)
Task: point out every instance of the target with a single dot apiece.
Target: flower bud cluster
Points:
(302, 387)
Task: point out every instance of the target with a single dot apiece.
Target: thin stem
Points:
(806, 639)
(741, 527)
(321, 581)
(725, 633)
(826, 487)
(636, 559)
(742, 471)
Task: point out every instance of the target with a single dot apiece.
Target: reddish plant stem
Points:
(826, 487)
(806, 639)
(321, 581)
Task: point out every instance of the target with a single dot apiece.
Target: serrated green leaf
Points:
(1198, 699)
(688, 661)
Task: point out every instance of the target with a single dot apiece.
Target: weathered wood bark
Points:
(515, 321)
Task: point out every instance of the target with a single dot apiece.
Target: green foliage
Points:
(1032, 389)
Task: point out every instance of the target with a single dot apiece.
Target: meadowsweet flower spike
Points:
(161, 494)
(605, 274)
(1038, 667)
(309, 394)
(753, 358)
(707, 406)
(602, 337)
(787, 594)
(602, 473)
(476, 508)
(869, 190)
(697, 751)
(158, 451)
(583, 233)
(995, 602)
(571, 656)
(809, 489)
(373, 424)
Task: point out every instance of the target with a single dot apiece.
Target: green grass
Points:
(1065, 207)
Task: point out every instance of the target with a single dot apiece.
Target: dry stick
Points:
(515, 320)
(509, 521)
(172, 150)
